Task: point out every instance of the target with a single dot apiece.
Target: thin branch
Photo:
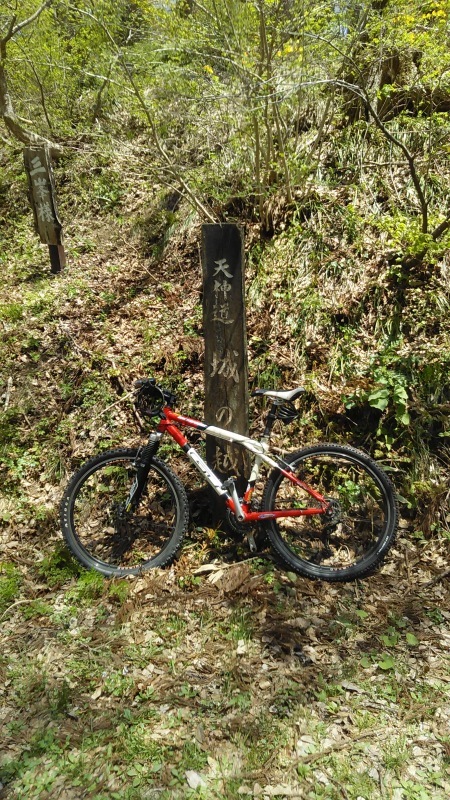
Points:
(441, 229)
(106, 82)
(13, 605)
(10, 118)
(310, 757)
(41, 89)
(13, 28)
(362, 93)
(436, 579)
(164, 155)
(205, 11)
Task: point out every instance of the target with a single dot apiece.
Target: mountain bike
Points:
(328, 510)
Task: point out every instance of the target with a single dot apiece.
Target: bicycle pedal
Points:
(252, 546)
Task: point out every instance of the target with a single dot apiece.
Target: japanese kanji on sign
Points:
(43, 202)
(226, 367)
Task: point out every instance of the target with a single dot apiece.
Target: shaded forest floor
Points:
(221, 676)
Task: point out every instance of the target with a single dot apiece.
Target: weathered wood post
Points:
(43, 202)
(226, 361)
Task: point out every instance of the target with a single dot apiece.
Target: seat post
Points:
(270, 420)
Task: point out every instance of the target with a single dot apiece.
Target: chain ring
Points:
(236, 526)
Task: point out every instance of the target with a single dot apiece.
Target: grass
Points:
(10, 581)
(141, 689)
(139, 696)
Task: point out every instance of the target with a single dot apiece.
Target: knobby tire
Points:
(366, 517)
(103, 536)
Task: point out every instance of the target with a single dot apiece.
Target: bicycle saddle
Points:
(289, 395)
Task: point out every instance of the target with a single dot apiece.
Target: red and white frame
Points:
(260, 449)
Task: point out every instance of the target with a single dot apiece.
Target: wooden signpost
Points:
(226, 363)
(42, 197)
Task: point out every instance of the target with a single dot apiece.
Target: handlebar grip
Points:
(149, 390)
(145, 383)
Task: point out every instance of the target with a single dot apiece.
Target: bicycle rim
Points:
(103, 535)
(351, 542)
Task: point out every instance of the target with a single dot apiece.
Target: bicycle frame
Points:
(169, 424)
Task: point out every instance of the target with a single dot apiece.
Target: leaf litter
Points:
(221, 674)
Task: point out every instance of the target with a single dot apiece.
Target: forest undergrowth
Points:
(221, 676)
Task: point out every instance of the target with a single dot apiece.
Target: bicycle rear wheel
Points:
(99, 531)
(354, 541)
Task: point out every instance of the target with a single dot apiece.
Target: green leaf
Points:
(387, 663)
(384, 392)
(379, 399)
(400, 393)
(390, 640)
(412, 640)
(380, 404)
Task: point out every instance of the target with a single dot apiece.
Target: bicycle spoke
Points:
(362, 516)
(104, 535)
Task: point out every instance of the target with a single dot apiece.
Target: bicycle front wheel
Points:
(99, 531)
(350, 542)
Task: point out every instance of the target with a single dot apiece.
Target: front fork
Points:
(142, 464)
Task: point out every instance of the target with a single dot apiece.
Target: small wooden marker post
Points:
(43, 202)
(226, 361)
